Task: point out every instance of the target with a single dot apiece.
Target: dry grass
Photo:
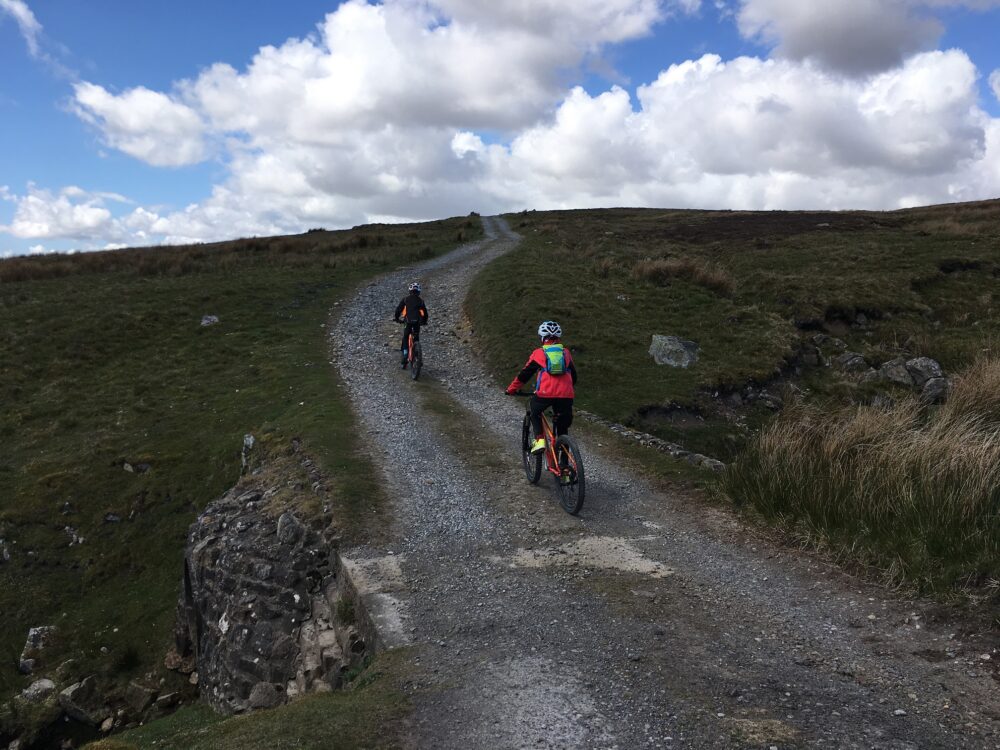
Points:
(662, 271)
(916, 493)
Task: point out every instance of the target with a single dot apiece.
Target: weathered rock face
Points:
(935, 390)
(922, 369)
(33, 648)
(895, 371)
(255, 612)
(673, 351)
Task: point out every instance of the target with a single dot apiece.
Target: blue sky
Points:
(403, 111)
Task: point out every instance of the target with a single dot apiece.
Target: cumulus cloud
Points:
(145, 124)
(757, 133)
(850, 36)
(71, 213)
(995, 83)
(26, 22)
(409, 110)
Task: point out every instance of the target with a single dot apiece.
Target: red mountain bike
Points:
(414, 356)
(561, 458)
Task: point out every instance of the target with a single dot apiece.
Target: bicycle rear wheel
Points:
(571, 482)
(532, 461)
(418, 360)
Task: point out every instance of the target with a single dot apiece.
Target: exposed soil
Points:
(650, 620)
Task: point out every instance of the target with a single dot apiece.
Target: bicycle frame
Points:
(409, 351)
(551, 458)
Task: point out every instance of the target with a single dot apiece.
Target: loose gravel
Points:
(732, 643)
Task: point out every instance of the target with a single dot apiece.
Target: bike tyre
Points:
(571, 495)
(418, 360)
(532, 462)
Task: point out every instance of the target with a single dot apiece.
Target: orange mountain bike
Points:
(561, 458)
(414, 356)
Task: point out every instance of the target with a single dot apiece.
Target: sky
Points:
(127, 124)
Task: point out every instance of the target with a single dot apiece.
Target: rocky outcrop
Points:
(256, 619)
(35, 644)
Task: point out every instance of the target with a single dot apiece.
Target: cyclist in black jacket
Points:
(411, 311)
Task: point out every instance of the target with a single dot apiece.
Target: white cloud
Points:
(26, 22)
(71, 213)
(409, 110)
(761, 134)
(995, 83)
(851, 36)
(145, 124)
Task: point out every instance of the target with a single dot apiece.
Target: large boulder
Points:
(81, 702)
(895, 372)
(38, 691)
(922, 369)
(673, 351)
(33, 647)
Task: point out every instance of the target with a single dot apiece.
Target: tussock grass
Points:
(913, 493)
(662, 271)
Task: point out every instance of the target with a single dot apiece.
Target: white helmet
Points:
(549, 330)
(414, 287)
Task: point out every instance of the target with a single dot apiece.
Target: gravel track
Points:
(650, 621)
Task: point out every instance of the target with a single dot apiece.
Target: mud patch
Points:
(598, 552)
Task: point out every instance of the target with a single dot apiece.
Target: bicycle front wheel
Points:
(532, 461)
(571, 480)
(418, 360)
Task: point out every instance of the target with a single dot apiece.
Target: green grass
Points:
(749, 288)
(103, 360)
(909, 491)
(363, 716)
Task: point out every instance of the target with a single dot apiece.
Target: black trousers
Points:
(415, 328)
(561, 407)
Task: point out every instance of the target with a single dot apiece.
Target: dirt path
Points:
(647, 622)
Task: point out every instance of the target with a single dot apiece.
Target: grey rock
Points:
(871, 376)
(850, 362)
(935, 391)
(209, 320)
(895, 372)
(33, 647)
(112, 518)
(922, 369)
(289, 529)
(80, 703)
(673, 351)
(38, 690)
(107, 725)
(139, 697)
(265, 695)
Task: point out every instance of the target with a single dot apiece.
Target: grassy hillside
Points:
(753, 289)
(104, 362)
(749, 288)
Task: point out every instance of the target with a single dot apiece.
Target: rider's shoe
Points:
(538, 446)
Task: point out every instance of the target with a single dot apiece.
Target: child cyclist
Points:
(556, 376)
(412, 312)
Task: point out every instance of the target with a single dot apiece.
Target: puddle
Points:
(602, 552)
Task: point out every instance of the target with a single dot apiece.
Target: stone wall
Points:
(257, 615)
